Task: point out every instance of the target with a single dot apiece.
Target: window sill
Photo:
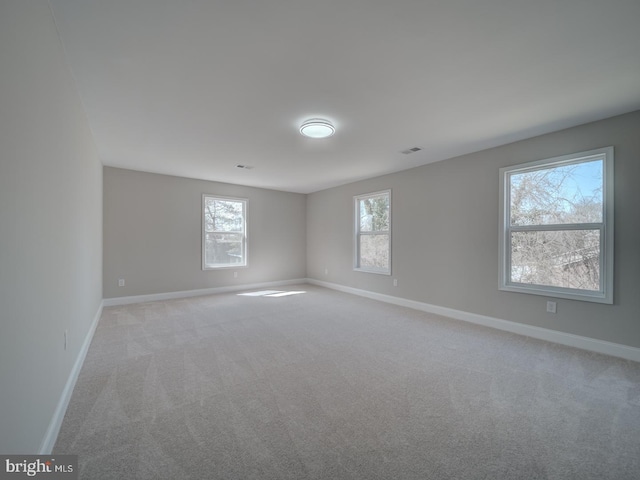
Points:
(585, 296)
(377, 272)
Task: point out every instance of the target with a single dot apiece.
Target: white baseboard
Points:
(110, 302)
(584, 343)
(51, 435)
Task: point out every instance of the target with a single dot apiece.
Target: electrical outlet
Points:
(326, 271)
(235, 274)
(551, 307)
(395, 282)
(121, 282)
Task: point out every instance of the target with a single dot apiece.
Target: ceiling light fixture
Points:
(317, 128)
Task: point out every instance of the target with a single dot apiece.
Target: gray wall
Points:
(50, 224)
(445, 234)
(152, 234)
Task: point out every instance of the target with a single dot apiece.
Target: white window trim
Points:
(605, 295)
(356, 223)
(244, 236)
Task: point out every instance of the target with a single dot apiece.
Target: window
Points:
(373, 232)
(556, 227)
(224, 235)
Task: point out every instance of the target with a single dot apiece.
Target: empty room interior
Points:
(321, 240)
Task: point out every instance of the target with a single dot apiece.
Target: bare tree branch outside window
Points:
(224, 235)
(373, 232)
(555, 208)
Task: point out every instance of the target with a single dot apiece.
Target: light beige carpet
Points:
(325, 385)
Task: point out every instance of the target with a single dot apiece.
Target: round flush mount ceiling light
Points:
(317, 128)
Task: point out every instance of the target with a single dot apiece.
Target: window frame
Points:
(605, 293)
(245, 204)
(358, 233)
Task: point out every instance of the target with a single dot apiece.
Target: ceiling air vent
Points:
(411, 150)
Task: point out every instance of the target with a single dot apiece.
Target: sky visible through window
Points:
(570, 193)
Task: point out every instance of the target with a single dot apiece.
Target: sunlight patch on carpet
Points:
(271, 293)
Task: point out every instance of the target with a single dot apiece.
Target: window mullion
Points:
(236, 232)
(555, 227)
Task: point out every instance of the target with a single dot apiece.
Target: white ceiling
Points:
(194, 87)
